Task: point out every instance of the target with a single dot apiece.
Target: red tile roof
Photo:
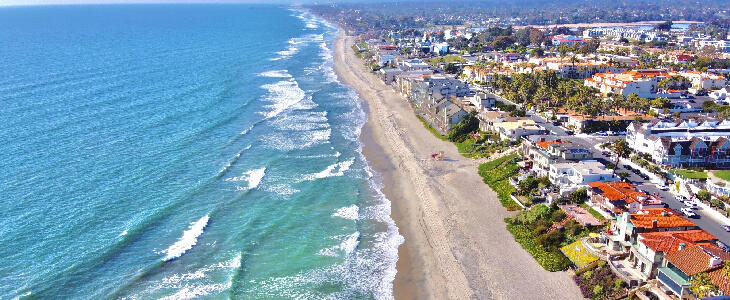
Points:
(697, 259)
(668, 241)
(664, 217)
(614, 191)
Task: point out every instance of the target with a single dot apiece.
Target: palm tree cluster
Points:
(546, 90)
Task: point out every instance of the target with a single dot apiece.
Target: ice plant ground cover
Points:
(578, 254)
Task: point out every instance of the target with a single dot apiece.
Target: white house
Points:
(572, 176)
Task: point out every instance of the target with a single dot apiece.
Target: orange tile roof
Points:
(696, 259)
(645, 218)
(617, 191)
(668, 241)
(720, 279)
(546, 144)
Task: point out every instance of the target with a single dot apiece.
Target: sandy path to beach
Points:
(456, 244)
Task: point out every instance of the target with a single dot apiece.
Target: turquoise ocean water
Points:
(183, 152)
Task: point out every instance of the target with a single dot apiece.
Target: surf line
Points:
(188, 240)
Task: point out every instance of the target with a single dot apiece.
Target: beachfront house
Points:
(678, 268)
(618, 197)
(650, 248)
(627, 226)
(570, 176)
(518, 128)
(387, 75)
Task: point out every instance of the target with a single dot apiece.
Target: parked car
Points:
(569, 132)
(688, 212)
(621, 133)
(690, 204)
(602, 133)
(644, 176)
(662, 187)
(627, 167)
(636, 171)
(725, 227)
(680, 198)
(606, 153)
(611, 132)
(692, 101)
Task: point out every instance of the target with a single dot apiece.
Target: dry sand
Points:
(456, 244)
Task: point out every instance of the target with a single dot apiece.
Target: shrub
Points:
(598, 289)
(558, 215)
(587, 275)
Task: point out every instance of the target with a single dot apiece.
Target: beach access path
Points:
(456, 243)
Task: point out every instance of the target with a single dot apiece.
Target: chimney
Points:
(654, 223)
(542, 139)
(664, 214)
(557, 140)
(715, 261)
(681, 246)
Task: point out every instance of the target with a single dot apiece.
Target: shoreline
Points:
(456, 243)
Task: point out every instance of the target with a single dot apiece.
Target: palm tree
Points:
(621, 147)
(701, 285)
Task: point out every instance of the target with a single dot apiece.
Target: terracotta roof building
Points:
(679, 267)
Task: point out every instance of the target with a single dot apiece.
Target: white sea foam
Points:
(276, 74)
(334, 170)
(282, 189)
(298, 140)
(123, 233)
(253, 177)
(282, 96)
(347, 246)
(188, 240)
(350, 212)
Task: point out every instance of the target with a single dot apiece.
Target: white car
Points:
(690, 204)
(688, 212)
(662, 187)
(681, 198)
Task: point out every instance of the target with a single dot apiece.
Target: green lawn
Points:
(466, 148)
(596, 214)
(446, 59)
(432, 130)
(722, 175)
(689, 174)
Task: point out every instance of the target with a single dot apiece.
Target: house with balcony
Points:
(515, 130)
(647, 254)
(619, 197)
(643, 82)
(677, 270)
(627, 226)
(683, 143)
(570, 176)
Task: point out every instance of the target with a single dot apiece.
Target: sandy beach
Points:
(456, 244)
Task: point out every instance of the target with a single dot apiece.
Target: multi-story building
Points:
(643, 82)
(678, 269)
(565, 39)
(700, 80)
(650, 248)
(620, 197)
(683, 143)
(626, 227)
(570, 176)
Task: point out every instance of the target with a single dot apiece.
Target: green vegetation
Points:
(599, 282)
(550, 260)
(725, 175)
(468, 124)
(690, 174)
(446, 59)
(431, 129)
(578, 255)
(496, 174)
(596, 214)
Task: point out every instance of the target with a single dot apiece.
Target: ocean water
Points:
(183, 152)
